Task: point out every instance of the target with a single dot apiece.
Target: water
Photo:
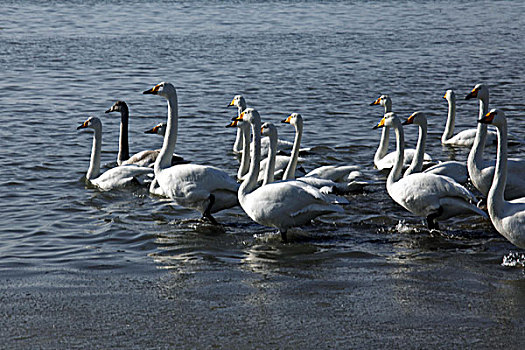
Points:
(83, 268)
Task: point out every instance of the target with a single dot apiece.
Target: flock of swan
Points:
(433, 191)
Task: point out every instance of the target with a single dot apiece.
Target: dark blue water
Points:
(125, 269)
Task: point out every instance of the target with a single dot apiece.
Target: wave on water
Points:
(514, 259)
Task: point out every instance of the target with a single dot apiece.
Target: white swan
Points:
(481, 172)
(382, 159)
(508, 217)
(454, 169)
(115, 177)
(204, 188)
(143, 158)
(340, 179)
(280, 204)
(434, 197)
(464, 138)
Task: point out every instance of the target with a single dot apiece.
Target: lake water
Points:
(81, 268)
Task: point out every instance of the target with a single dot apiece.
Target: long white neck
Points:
(250, 182)
(238, 144)
(417, 162)
(94, 163)
(289, 173)
(123, 146)
(395, 173)
(451, 121)
(244, 128)
(495, 197)
(382, 149)
(170, 138)
(270, 165)
(475, 157)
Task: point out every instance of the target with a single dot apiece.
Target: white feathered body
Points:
(120, 176)
(284, 204)
(424, 194)
(466, 138)
(387, 162)
(190, 186)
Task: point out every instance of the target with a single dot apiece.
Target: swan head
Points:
(268, 129)
(383, 101)
(92, 123)
(495, 117)
(118, 106)
(249, 115)
(390, 119)
(163, 89)
(238, 101)
(294, 119)
(450, 96)
(159, 129)
(480, 91)
(418, 118)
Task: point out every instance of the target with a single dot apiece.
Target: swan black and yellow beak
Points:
(83, 125)
(376, 102)
(239, 118)
(409, 121)
(232, 103)
(153, 91)
(232, 124)
(287, 120)
(380, 124)
(488, 118)
(153, 130)
(472, 94)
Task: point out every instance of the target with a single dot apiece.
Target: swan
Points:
(454, 169)
(432, 196)
(382, 159)
(481, 172)
(204, 188)
(339, 178)
(282, 204)
(508, 217)
(115, 177)
(464, 138)
(143, 158)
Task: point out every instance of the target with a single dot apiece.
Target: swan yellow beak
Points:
(376, 102)
(153, 91)
(410, 120)
(232, 124)
(83, 125)
(232, 103)
(488, 118)
(152, 130)
(240, 117)
(472, 94)
(380, 124)
(287, 120)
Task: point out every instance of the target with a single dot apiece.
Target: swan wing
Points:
(120, 176)
(422, 194)
(457, 171)
(332, 172)
(190, 185)
(286, 204)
